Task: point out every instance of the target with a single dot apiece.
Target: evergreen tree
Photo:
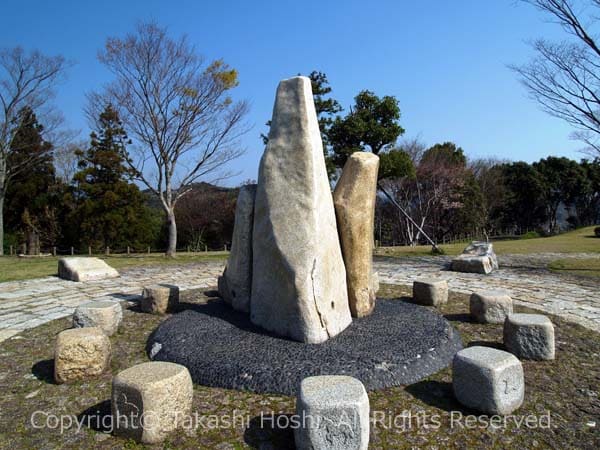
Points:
(110, 209)
(524, 207)
(31, 199)
(372, 124)
(563, 181)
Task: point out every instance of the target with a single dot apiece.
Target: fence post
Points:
(128, 250)
(206, 249)
(72, 251)
(11, 250)
(148, 250)
(225, 247)
(89, 250)
(107, 251)
(53, 251)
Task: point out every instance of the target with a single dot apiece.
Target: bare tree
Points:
(27, 80)
(564, 77)
(488, 173)
(176, 109)
(65, 159)
(432, 190)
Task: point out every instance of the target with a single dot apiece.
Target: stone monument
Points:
(477, 257)
(298, 275)
(236, 283)
(354, 199)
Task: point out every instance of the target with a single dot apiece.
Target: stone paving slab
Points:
(30, 303)
(524, 276)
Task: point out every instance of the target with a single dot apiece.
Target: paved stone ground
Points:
(30, 303)
(27, 304)
(525, 277)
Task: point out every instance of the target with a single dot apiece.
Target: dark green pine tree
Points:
(371, 125)
(32, 196)
(111, 210)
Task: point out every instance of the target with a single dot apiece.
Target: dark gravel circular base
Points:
(399, 344)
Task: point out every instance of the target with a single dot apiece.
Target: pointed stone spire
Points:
(299, 280)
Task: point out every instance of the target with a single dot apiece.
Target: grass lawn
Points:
(578, 241)
(14, 268)
(564, 390)
(582, 267)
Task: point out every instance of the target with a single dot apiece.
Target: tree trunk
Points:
(32, 242)
(172, 247)
(1, 222)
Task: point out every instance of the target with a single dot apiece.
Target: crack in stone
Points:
(312, 278)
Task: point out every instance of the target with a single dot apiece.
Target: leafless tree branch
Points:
(27, 80)
(564, 77)
(176, 109)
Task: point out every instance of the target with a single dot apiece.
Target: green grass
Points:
(578, 241)
(581, 267)
(13, 268)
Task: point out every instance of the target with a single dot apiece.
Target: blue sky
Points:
(444, 60)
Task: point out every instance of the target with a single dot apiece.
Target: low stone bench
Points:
(159, 298)
(85, 269)
(151, 400)
(104, 314)
(430, 291)
(529, 336)
(81, 353)
(490, 306)
(335, 412)
(488, 380)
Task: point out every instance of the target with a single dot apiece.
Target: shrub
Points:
(597, 231)
(530, 235)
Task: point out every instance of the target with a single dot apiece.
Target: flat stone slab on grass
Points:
(159, 298)
(152, 399)
(490, 306)
(529, 336)
(81, 353)
(336, 409)
(85, 269)
(488, 380)
(403, 342)
(430, 291)
(104, 314)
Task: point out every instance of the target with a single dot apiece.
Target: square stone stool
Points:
(80, 354)
(103, 314)
(334, 412)
(488, 380)
(490, 306)
(159, 298)
(151, 400)
(529, 336)
(430, 291)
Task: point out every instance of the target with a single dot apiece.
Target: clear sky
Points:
(444, 60)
